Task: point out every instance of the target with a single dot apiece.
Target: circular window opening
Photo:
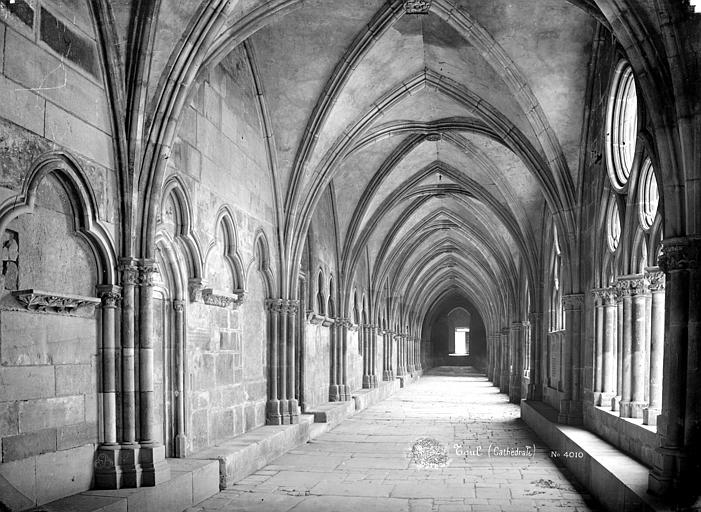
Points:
(613, 225)
(621, 126)
(649, 195)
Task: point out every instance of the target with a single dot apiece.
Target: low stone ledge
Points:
(332, 413)
(617, 480)
(240, 456)
(192, 481)
(364, 398)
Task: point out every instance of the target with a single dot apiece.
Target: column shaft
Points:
(657, 285)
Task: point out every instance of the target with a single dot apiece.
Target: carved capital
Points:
(129, 272)
(147, 268)
(535, 317)
(274, 305)
(110, 295)
(675, 255)
(639, 286)
(656, 278)
(623, 288)
(417, 6)
(178, 305)
(573, 301)
(291, 307)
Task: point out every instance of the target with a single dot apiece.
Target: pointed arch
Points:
(86, 216)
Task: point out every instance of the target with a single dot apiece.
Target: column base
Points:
(346, 395)
(285, 411)
(180, 446)
(273, 414)
(154, 468)
(635, 409)
(294, 411)
(650, 416)
(367, 381)
(615, 403)
(130, 465)
(662, 479)
(335, 394)
(386, 375)
(604, 399)
(624, 408)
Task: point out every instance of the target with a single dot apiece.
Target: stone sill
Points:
(638, 422)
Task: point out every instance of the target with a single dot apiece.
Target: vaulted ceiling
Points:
(445, 136)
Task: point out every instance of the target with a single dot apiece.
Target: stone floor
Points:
(440, 445)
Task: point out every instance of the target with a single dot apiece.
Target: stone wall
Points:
(53, 101)
(317, 367)
(220, 158)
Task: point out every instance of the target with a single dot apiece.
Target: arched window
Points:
(320, 301)
(621, 126)
(613, 224)
(649, 195)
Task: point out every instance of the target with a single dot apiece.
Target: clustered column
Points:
(515, 369)
(536, 375)
(387, 373)
(282, 407)
(571, 411)
(657, 288)
(505, 358)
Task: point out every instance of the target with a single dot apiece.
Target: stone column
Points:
(110, 297)
(386, 361)
(515, 372)
(401, 363)
(273, 410)
(599, 327)
(626, 356)
(535, 385)
(639, 295)
(334, 385)
(666, 477)
(691, 473)
(571, 411)
(496, 338)
(363, 331)
(618, 350)
(179, 351)
(505, 361)
(657, 288)
(343, 381)
(373, 356)
(154, 469)
(282, 363)
(292, 306)
(417, 357)
(129, 275)
(107, 473)
(610, 331)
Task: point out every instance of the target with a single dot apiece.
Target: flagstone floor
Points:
(448, 443)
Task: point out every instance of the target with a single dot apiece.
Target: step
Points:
(245, 454)
(364, 398)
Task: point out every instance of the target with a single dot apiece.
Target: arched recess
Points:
(56, 214)
(179, 261)
(223, 265)
(86, 218)
(256, 336)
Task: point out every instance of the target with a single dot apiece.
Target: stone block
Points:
(212, 105)
(22, 107)
(222, 423)
(66, 129)
(225, 369)
(74, 379)
(175, 494)
(91, 404)
(87, 503)
(73, 436)
(27, 445)
(200, 429)
(18, 484)
(64, 473)
(38, 70)
(32, 339)
(9, 419)
(51, 412)
(26, 382)
(226, 340)
(188, 127)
